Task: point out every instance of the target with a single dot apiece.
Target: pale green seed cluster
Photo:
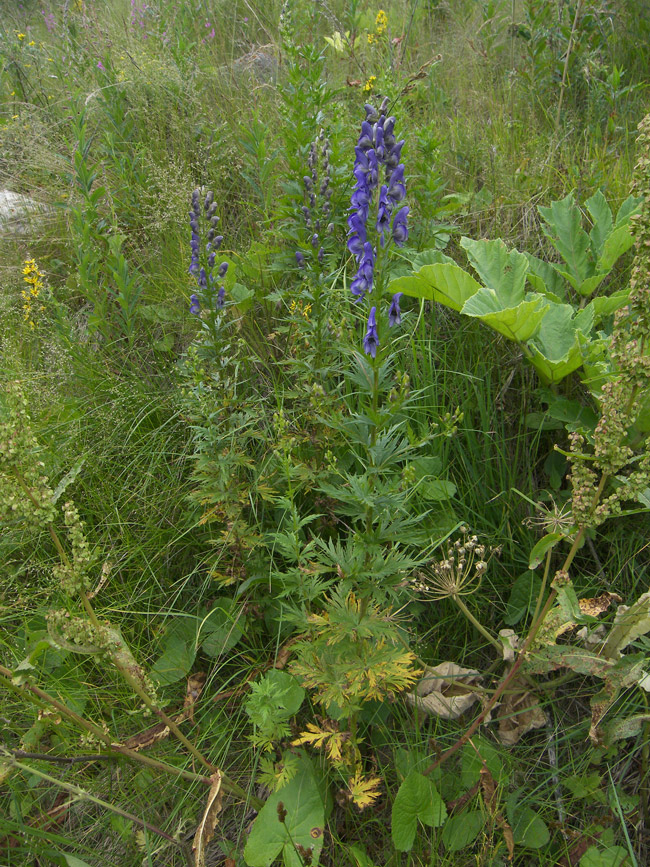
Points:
(25, 494)
(623, 396)
(73, 574)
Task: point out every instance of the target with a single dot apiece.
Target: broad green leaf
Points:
(360, 856)
(304, 824)
(431, 257)
(242, 297)
(591, 283)
(556, 348)
(437, 490)
(603, 305)
(518, 323)
(221, 628)
(629, 206)
(613, 856)
(564, 229)
(417, 798)
(545, 279)
(176, 660)
(445, 283)
(472, 759)
(603, 222)
(502, 270)
(619, 242)
(523, 597)
(529, 829)
(545, 544)
(462, 830)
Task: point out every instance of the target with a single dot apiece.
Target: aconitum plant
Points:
(376, 218)
(208, 297)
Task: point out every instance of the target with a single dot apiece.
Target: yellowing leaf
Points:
(364, 791)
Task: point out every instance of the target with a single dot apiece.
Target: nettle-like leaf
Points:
(417, 799)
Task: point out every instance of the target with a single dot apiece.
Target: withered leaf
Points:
(195, 684)
(519, 713)
(489, 789)
(443, 690)
(208, 823)
(596, 605)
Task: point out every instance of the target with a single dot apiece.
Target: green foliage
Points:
(272, 702)
(417, 799)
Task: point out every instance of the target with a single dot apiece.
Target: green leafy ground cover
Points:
(298, 569)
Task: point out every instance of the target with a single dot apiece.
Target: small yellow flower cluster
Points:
(20, 36)
(34, 279)
(297, 308)
(369, 85)
(381, 23)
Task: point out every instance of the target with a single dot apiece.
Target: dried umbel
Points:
(459, 573)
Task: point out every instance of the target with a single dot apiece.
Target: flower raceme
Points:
(377, 169)
(207, 295)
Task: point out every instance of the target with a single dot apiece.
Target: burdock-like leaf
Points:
(502, 270)
(518, 323)
(445, 283)
(564, 230)
(208, 823)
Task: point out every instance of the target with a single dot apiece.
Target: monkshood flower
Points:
(362, 283)
(316, 208)
(205, 212)
(376, 147)
(400, 228)
(371, 340)
(221, 297)
(394, 313)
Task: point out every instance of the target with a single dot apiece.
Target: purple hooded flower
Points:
(366, 138)
(363, 281)
(383, 213)
(396, 187)
(221, 298)
(222, 269)
(300, 259)
(195, 307)
(394, 313)
(371, 340)
(400, 228)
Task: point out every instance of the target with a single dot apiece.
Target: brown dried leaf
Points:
(519, 713)
(195, 684)
(283, 654)
(208, 823)
(443, 690)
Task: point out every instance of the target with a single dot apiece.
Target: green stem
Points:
(542, 589)
(468, 614)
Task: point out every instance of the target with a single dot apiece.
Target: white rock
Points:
(17, 212)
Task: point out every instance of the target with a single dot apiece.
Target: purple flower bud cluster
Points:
(205, 211)
(377, 147)
(377, 169)
(317, 208)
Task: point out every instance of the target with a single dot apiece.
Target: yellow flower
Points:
(371, 38)
(368, 86)
(31, 43)
(381, 22)
(21, 36)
